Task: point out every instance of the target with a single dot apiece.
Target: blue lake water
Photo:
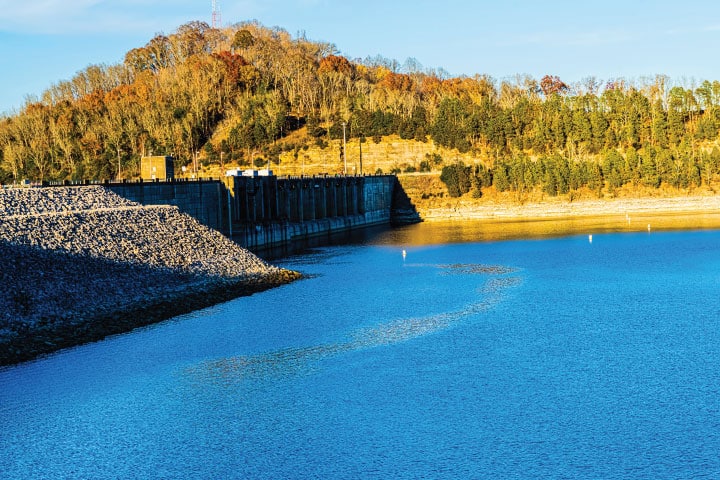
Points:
(542, 358)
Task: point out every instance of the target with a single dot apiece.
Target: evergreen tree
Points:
(457, 178)
(500, 177)
(613, 169)
(659, 125)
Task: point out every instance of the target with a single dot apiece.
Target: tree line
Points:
(557, 174)
(234, 94)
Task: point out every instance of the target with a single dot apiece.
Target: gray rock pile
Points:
(39, 201)
(81, 263)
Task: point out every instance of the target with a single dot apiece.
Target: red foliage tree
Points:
(335, 63)
(552, 84)
(233, 65)
(397, 81)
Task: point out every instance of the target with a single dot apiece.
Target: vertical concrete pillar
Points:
(286, 193)
(303, 199)
(246, 195)
(312, 191)
(361, 192)
(260, 198)
(252, 194)
(336, 197)
(323, 197)
(292, 201)
(332, 198)
(276, 199)
(355, 197)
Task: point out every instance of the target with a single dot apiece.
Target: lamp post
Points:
(344, 152)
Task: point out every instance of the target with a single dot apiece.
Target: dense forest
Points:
(238, 94)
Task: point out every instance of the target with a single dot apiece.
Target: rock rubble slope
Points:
(81, 263)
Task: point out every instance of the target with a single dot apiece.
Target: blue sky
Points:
(45, 41)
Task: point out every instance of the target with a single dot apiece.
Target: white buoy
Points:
(648, 227)
(590, 238)
(404, 254)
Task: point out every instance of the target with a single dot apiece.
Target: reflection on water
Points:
(294, 360)
(444, 232)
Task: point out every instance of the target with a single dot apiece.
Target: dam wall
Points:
(267, 211)
(202, 199)
(272, 211)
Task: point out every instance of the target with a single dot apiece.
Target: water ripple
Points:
(294, 360)
(477, 269)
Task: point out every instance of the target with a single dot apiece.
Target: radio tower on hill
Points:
(216, 20)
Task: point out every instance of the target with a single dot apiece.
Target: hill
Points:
(252, 96)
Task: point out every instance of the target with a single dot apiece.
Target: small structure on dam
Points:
(159, 167)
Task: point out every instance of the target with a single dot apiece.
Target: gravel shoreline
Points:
(82, 263)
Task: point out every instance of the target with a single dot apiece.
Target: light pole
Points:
(344, 153)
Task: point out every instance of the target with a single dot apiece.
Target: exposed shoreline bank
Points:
(564, 209)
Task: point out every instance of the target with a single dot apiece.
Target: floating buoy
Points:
(590, 238)
(404, 254)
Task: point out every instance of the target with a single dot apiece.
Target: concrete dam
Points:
(268, 211)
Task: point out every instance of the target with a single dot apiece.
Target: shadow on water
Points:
(361, 236)
(497, 279)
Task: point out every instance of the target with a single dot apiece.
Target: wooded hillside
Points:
(248, 94)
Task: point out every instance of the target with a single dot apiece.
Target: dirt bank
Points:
(562, 208)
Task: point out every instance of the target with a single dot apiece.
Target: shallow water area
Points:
(431, 351)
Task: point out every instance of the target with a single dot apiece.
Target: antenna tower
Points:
(216, 20)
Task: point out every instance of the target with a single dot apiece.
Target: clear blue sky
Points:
(45, 41)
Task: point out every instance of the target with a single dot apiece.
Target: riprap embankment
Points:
(81, 263)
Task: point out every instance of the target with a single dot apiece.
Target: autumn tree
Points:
(551, 84)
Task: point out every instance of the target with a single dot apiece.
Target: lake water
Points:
(470, 355)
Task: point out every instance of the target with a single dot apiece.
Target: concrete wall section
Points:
(270, 211)
(299, 199)
(202, 200)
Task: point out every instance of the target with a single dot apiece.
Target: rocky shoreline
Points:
(82, 263)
